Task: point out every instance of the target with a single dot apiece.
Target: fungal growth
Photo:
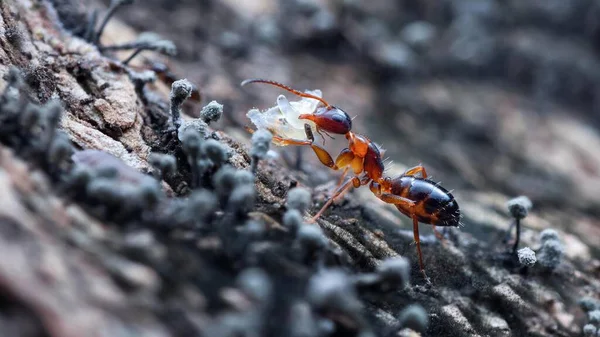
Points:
(260, 146)
(180, 91)
(551, 251)
(526, 257)
(211, 112)
(518, 208)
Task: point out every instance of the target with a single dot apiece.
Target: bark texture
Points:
(516, 117)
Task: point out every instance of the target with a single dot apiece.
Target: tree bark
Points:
(65, 273)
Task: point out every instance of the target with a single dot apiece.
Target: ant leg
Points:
(342, 177)
(417, 169)
(418, 244)
(354, 182)
(321, 153)
(290, 141)
(324, 156)
(407, 203)
(343, 160)
(321, 134)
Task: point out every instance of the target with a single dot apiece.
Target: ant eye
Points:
(338, 118)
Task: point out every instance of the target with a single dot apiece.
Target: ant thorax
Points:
(282, 119)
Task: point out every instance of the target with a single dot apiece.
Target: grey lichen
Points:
(414, 317)
(392, 274)
(395, 270)
(311, 242)
(590, 330)
(141, 78)
(180, 91)
(261, 141)
(191, 142)
(195, 125)
(241, 200)
(304, 323)
(32, 129)
(594, 316)
(589, 303)
(298, 198)
(211, 112)
(292, 219)
(526, 257)
(164, 164)
(203, 155)
(243, 177)
(255, 283)
(332, 289)
(551, 252)
(127, 196)
(519, 207)
(214, 151)
(548, 234)
(224, 181)
(202, 205)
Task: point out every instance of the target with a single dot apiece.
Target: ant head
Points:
(331, 119)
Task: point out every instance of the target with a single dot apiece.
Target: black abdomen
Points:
(433, 204)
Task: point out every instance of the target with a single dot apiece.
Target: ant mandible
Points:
(412, 193)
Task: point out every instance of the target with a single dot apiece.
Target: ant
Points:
(413, 194)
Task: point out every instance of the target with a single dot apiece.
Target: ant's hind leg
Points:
(405, 203)
(418, 244)
(415, 170)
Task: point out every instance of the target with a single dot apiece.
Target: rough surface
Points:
(513, 117)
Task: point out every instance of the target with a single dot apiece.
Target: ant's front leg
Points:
(290, 141)
(321, 153)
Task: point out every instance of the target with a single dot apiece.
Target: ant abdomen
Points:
(434, 204)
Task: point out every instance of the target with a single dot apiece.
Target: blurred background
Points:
(495, 98)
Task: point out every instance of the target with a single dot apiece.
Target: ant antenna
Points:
(285, 87)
